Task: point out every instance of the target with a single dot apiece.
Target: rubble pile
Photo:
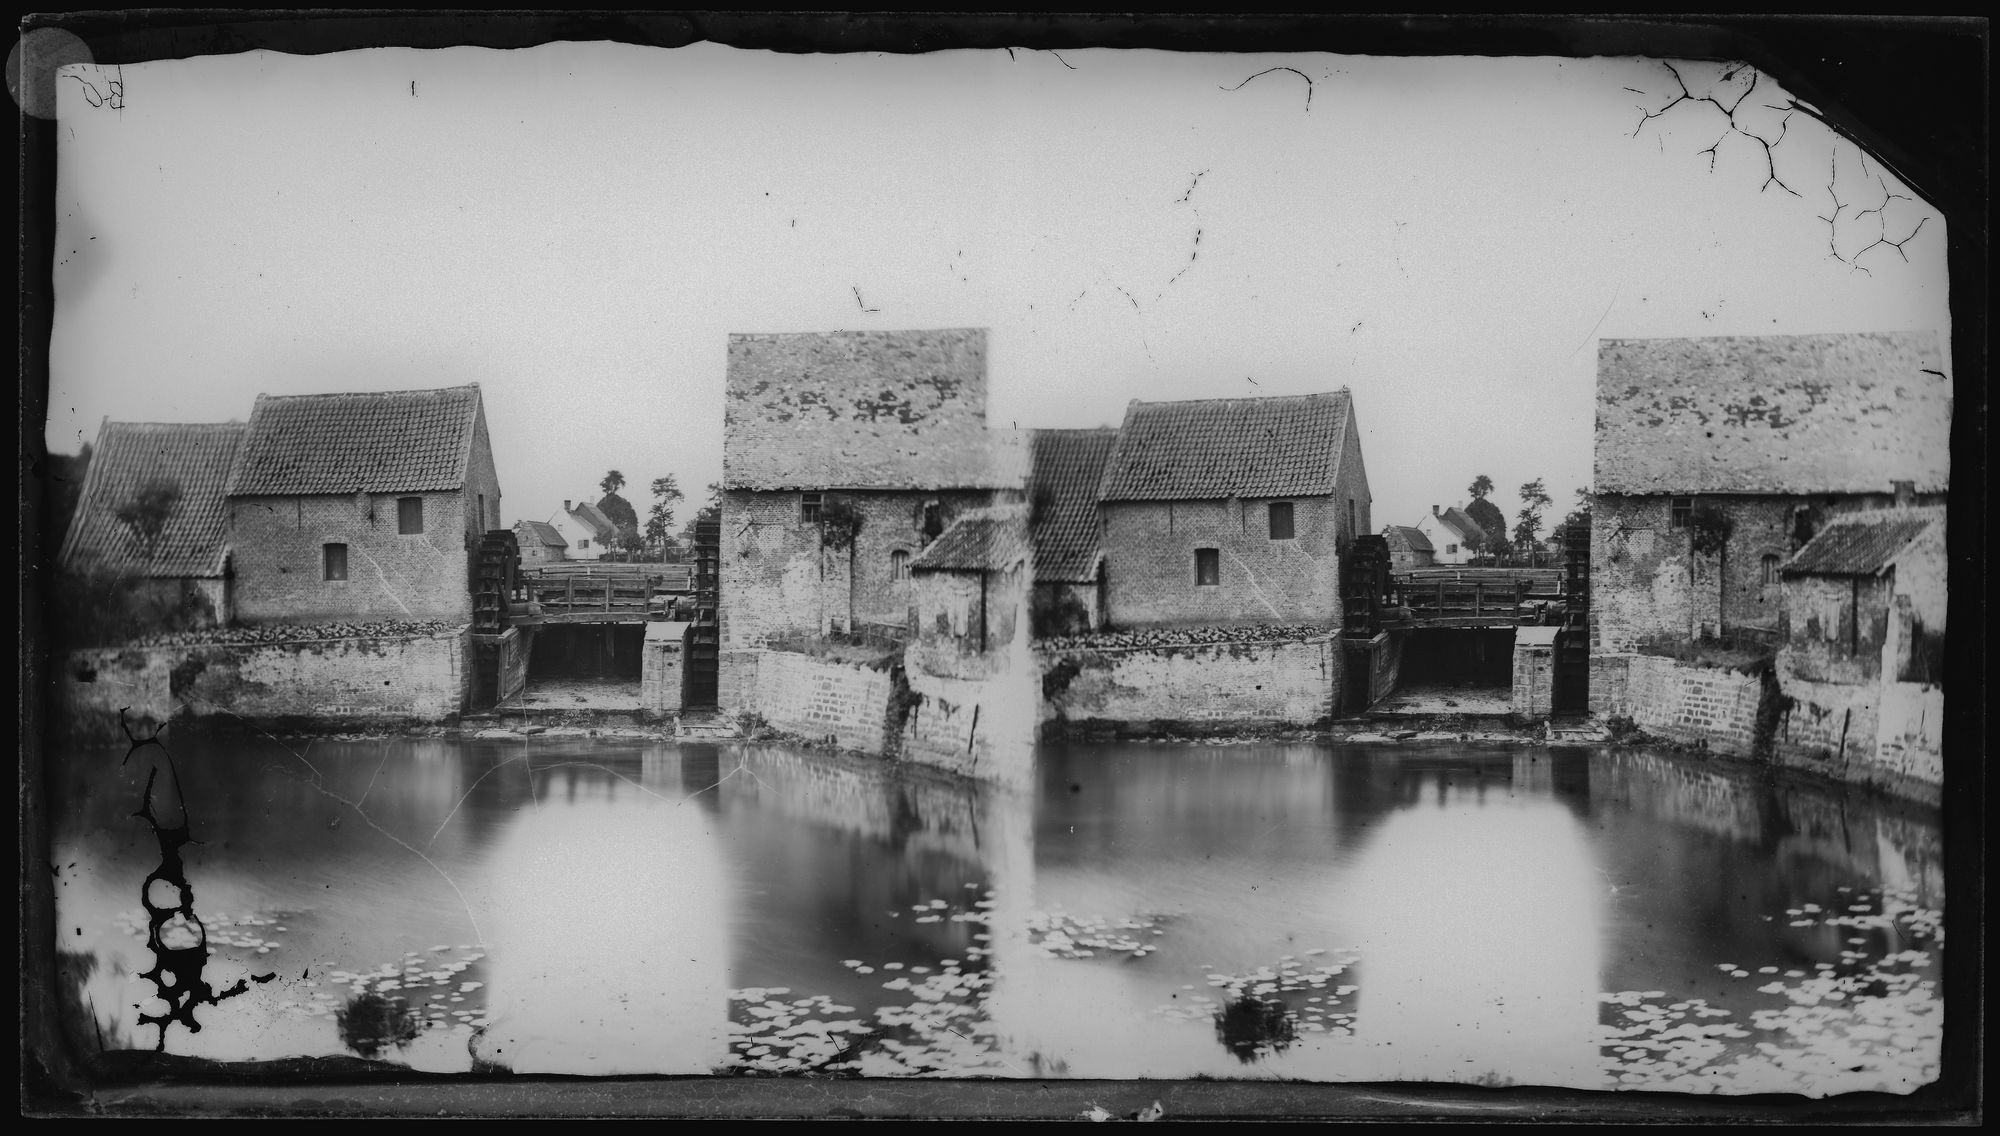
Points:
(1183, 637)
(295, 632)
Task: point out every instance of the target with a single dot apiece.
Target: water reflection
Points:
(1308, 911)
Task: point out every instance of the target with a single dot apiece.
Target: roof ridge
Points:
(1240, 398)
(262, 397)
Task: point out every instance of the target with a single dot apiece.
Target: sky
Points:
(578, 227)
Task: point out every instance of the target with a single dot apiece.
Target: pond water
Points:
(1326, 911)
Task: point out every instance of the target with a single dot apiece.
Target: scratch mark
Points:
(1929, 371)
(1592, 333)
(1268, 70)
(858, 301)
(1064, 62)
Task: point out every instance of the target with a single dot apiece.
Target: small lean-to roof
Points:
(545, 533)
(1414, 537)
(387, 442)
(989, 540)
(1861, 544)
(1208, 449)
(191, 458)
(1788, 414)
(1067, 466)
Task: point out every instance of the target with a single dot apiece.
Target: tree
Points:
(660, 519)
(1486, 514)
(612, 483)
(147, 511)
(1578, 517)
(1480, 487)
(1528, 523)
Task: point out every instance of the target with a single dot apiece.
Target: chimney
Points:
(1434, 511)
(1906, 492)
(565, 505)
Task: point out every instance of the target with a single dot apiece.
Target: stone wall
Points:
(982, 728)
(277, 548)
(1149, 553)
(327, 682)
(778, 581)
(1233, 685)
(848, 704)
(1909, 740)
(1681, 701)
(662, 671)
(1534, 671)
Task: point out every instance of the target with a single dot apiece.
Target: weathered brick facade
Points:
(1150, 563)
(847, 704)
(277, 549)
(1240, 685)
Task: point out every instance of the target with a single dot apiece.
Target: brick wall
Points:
(1233, 684)
(1149, 551)
(482, 485)
(822, 700)
(418, 678)
(778, 581)
(1830, 726)
(1837, 627)
(1909, 740)
(982, 728)
(1534, 672)
(663, 667)
(277, 550)
(1681, 701)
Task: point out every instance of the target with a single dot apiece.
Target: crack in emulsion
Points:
(177, 970)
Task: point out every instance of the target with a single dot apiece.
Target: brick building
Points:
(1718, 459)
(1232, 511)
(361, 506)
(845, 454)
(184, 563)
(539, 543)
(1066, 468)
(969, 592)
(1454, 536)
(1863, 612)
(1409, 547)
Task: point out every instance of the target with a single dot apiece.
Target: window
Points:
(809, 505)
(583, 542)
(933, 521)
(899, 565)
(1351, 529)
(482, 510)
(335, 560)
(1207, 567)
(1281, 520)
(409, 515)
(1683, 511)
(1770, 567)
(1451, 550)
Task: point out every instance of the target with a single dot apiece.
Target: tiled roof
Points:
(194, 457)
(545, 533)
(1460, 521)
(1850, 413)
(391, 442)
(1861, 544)
(863, 410)
(589, 514)
(1286, 446)
(988, 540)
(1067, 467)
(1414, 537)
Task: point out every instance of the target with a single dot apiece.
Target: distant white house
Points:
(1454, 536)
(586, 531)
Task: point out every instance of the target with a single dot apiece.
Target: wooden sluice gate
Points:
(603, 593)
(1474, 597)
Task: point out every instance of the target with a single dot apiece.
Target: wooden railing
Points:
(600, 592)
(1475, 596)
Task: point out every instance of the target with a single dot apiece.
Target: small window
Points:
(1770, 568)
(482, 510)
(1451, 550)
(1207, 567)
(335, 561)
(1351, 529)
(583, 542)
(933, 521)
(1683, 511)
(1281, 520)
(409, 515)
(809, 507)
(899, 565)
